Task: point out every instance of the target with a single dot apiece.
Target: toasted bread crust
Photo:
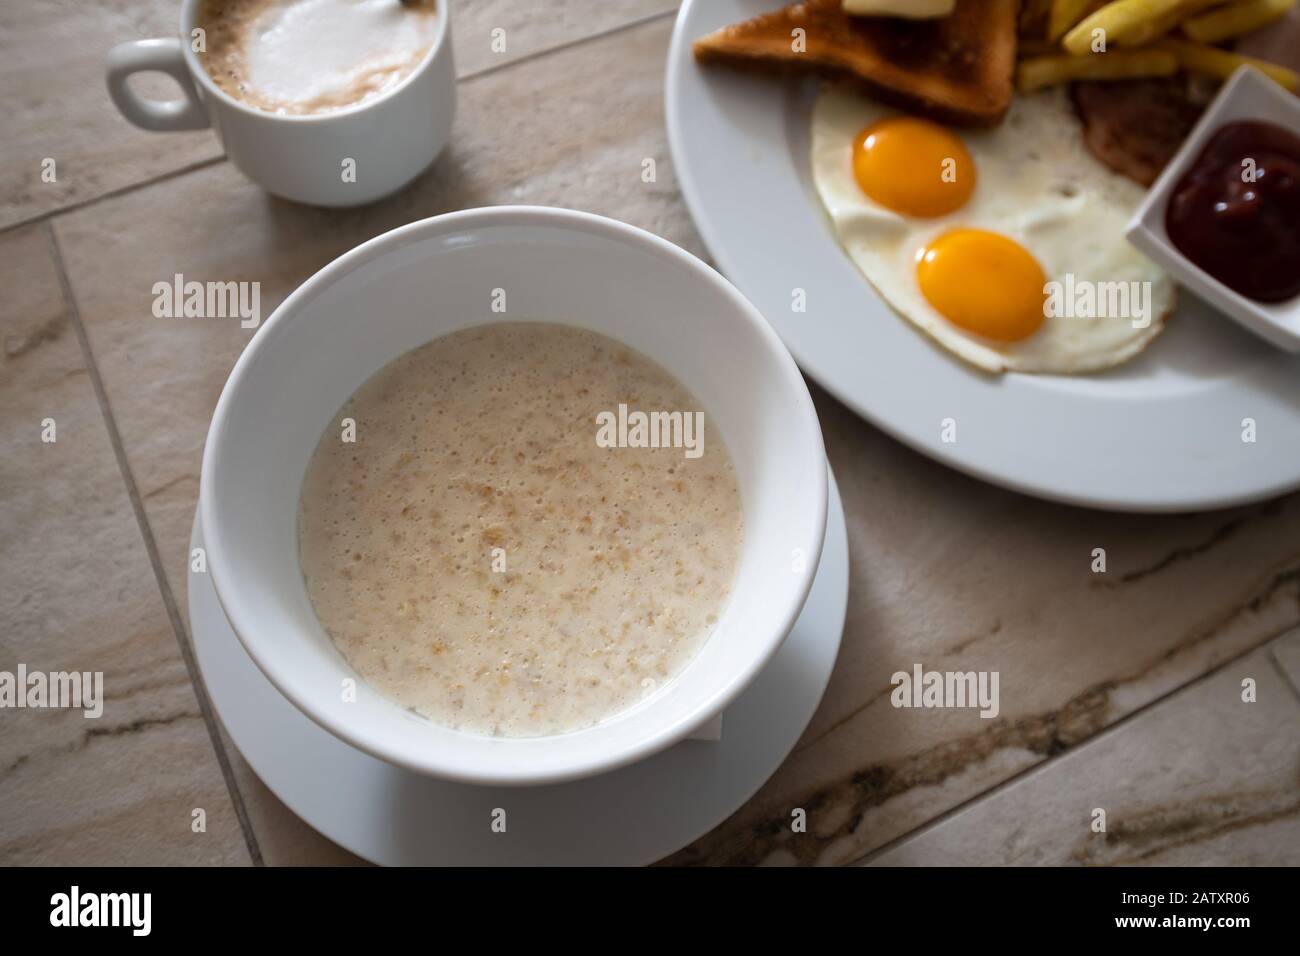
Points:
(956, 69)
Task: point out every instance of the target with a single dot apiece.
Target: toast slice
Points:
(956, 69)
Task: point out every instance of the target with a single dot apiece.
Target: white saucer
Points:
(636, 815)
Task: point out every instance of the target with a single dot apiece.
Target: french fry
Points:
(1124, 23)
(1222, 64)
(1038, 72)
(1236, 19)
(1160, 26)
(1066, 13)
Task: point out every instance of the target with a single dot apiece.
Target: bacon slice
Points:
(1136, 126)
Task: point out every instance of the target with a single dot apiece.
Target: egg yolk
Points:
(913, 167)
(984, 283)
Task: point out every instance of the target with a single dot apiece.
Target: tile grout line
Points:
(151, 547)
(1282, 672)
(217, 160)
(113, 194)
(567, 45)
(999, 787)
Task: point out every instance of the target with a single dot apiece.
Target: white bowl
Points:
(433, 277)
(1248, 95)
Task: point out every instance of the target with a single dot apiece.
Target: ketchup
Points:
(1236, 213)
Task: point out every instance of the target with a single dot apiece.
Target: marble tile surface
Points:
(52, 58)
(946, 572)
(57, 107)
(79, 594)
(953, 574)
(1228, 794)
(1286, 652)
(490, 33)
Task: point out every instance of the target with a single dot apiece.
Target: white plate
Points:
(1163, 433)
(635, 815)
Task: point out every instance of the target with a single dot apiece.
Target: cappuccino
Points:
(476, 553)
(313, 56)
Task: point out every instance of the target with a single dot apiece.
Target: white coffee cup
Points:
(389, 140)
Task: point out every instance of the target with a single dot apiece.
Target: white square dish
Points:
(1248, 95)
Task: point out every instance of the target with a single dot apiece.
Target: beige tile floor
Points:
(79, 593)
(1117, 689)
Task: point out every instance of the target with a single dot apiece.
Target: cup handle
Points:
(163, 56)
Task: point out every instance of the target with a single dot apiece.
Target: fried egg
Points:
(1005, 246)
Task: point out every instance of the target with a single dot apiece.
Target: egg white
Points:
(1036, 183)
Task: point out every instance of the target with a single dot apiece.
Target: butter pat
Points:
(911, 9)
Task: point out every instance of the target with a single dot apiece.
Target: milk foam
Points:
(314, 56)
(310, 50)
